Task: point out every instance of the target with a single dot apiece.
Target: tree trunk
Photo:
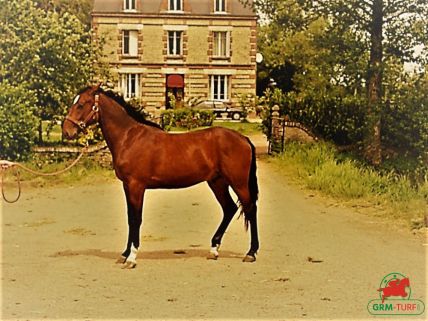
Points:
(373, 136)
(40, 132)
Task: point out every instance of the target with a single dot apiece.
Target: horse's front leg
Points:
(134, 199)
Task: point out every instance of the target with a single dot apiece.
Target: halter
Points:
(83, 124)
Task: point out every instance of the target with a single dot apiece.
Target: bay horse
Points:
(146, 157)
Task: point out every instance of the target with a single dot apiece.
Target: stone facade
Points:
(157, 52)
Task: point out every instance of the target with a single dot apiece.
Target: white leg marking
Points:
(214, 251)
(133, 255)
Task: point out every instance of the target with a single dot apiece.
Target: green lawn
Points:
(55, 134)
(243, 128)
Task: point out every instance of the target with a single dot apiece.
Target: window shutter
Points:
(133, 43)
(228, 35)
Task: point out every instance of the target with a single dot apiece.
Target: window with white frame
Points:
(174, 43)
(219, 87)
(129, 85)
(175, 5)
(130, 42)
(129, 5)
(221, 44)
(220, 5)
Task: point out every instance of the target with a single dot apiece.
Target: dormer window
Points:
(129, 5)
(175, 5)
(220, 5)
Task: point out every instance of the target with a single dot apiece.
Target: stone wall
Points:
(99, 154)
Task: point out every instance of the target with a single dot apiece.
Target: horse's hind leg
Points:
(220, 189)
(250, 211)
(134, 199)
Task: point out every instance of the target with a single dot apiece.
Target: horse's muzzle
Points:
(69, 131)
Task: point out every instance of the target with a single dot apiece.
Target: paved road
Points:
(59, 247)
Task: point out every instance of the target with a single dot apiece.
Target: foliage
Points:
(405, 122)
(320, 167)
(337, 118)
(138, 104)
(101, 70)
(79, 8)
(18, 124)
(403, 23)
(349, 27)
(248, 103)
(339, 70)
(172, 100)
(187, 118)
(46, 52)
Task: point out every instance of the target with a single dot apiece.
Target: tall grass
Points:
(320, 167)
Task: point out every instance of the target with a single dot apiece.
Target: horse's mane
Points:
(130, 110)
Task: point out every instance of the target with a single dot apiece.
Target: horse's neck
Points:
(115, 122)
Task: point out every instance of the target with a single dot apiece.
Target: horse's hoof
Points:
(121, 260)
(212, 256)
(249, 258)
(129, 265)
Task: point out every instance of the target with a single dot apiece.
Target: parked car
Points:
(221, 109)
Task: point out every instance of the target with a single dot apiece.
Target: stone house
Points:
(183, 48)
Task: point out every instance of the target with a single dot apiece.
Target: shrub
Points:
(336, 118)
(186, 118)
(248, 104)
(341, 117)
(405, 126)
(18, 126)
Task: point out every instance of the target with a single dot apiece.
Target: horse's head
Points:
(83, 112)
(405, 282)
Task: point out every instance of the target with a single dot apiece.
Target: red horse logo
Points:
(395, 287)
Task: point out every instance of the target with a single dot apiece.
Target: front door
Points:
(174, 91)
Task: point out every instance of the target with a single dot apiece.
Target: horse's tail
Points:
(252, 179)
(253, 186)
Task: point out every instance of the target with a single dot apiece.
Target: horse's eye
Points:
(79, 106)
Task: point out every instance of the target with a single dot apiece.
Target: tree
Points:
(391, 29)
(81, 9)
(46, 53)
(18, 124)
(376, 30)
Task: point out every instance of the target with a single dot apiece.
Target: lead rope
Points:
(5, 165)
(18, 180)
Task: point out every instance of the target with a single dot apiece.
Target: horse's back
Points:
(234, 155)
(214, 139)
(171, 160)
(225, 145)
(214, 151)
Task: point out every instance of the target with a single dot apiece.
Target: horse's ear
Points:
(97, 87)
